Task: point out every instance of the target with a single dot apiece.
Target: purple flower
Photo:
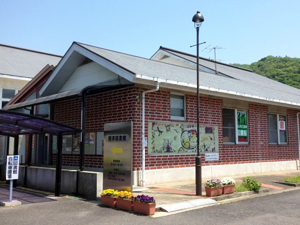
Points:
(144, 199)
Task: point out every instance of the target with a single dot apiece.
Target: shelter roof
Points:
(13, 123)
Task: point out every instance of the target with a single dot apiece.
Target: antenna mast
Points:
(215, 53)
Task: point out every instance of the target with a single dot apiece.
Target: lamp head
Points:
(198, 19)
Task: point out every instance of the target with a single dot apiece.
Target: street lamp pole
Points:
(198, 19)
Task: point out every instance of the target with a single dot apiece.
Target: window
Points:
(228, 125)
(235, 126)
(177, 107)
(277, 129)
(93, 143)
(7, 94)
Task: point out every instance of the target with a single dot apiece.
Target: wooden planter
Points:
(124, 204)
(144, 208)
(213, 191)
(228, 189)
(108, 201)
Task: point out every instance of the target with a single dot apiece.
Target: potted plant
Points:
(144, 204)
(108, 197)
(228, 185)
(124, 200)
(213, 187)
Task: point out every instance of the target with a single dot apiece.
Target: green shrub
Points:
(251, 184)
(292, 179)
(240, 188)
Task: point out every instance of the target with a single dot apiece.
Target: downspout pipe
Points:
(83, 94)
(143, 132)
(298, 133)
(81, 166)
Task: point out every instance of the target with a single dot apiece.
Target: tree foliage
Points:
(283, 69)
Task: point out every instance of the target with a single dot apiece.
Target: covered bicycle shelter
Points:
(13, 124)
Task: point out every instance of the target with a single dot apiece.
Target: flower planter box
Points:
(124, 204)
(213, 191)
(108, 201)
(144, 208)
(228, 189)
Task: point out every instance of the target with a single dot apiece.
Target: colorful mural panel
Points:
(181, 138)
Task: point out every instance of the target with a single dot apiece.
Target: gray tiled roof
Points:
(23, 62)
(241, 82)
(240, 74)
(234, 83)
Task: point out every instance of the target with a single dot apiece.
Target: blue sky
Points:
(247, 30)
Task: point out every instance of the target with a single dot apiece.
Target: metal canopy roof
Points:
(13, 124)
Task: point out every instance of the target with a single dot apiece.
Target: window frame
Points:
(184, 107)
(236, 128)
(279, 142)
(6, 99)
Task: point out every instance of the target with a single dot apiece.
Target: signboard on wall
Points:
(211, 156)
(12, 167)
(117, 159)
(242, 125)
(170, 138)
(242, 122)
(281, 123)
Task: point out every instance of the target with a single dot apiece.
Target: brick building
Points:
(248, 123)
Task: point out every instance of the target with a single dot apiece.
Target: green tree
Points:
(283, 69)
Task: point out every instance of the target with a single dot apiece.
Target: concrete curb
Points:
(12, 203)
(240, 194)
(188, 204)
(289, 184)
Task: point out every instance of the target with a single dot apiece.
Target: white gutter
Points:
(298, 139)
(143, 132)
(15, 77)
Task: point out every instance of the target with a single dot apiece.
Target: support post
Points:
(28, 164)
(29, 153)
(16, 152)
(58, 165)
(11, 190)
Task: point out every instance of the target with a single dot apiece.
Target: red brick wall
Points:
(258, 149)
(126, 105)
(109, 107)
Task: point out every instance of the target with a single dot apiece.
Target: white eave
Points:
(192, 88)
(15, 77)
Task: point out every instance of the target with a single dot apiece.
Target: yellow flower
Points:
(125, 195)
(110, 192)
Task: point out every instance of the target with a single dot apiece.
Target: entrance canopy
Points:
(13, 124)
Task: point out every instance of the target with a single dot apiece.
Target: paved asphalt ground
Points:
(282, 208)
(281, 205)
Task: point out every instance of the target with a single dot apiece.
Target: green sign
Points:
(242, 124)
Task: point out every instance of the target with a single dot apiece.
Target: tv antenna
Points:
(198, 44)
(215, 48)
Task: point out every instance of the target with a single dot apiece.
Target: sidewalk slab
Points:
(22, 196)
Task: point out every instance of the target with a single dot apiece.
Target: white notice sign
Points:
(12, 167)
(211, 156)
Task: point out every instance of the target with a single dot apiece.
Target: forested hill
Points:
(283, 69)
